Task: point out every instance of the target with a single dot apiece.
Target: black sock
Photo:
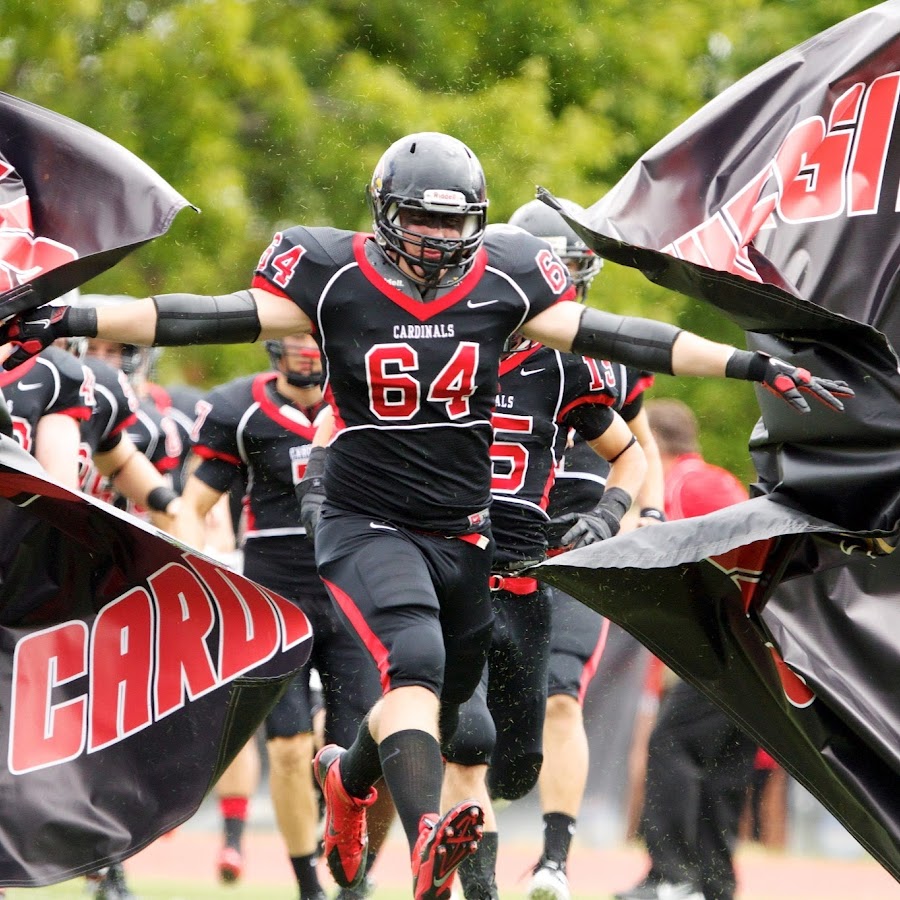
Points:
(234, 831)
(360, 765)
(558, 831)
(413, 769)
(307, 876)
(477, 873)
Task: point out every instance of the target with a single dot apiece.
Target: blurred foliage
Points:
(265, 115)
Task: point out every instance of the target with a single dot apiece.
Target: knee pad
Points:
(419, 659)
(448, 721)
(473, 742)
(512, 778)
(466, 659)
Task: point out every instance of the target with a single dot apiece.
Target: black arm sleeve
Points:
(642, 343)
(590, 420)
(183, 319)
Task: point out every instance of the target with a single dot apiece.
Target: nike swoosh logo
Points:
(391, 755)
(440, 882)
(382, 527)
(40, 322)
(30, 387)
(527, 372)
(474, 304)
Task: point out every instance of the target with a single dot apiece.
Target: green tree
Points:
(264, 115)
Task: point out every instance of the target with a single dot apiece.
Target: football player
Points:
(47, 399)
(155, 435)
(411, 321)
(259, 429)
(578, 633)
(542, 394)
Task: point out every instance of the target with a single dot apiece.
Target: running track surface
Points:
(190, 854)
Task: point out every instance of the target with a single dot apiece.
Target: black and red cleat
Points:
(442, 845)
(345, 839)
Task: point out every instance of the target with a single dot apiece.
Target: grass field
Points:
(147, 889)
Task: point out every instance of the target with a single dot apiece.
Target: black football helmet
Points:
(437, 174)
(275, 349)
(545, 222)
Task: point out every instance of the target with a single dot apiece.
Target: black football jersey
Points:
(52, 382)
(156, 436)
(542, 394)
(247, 426)
(179, 406)
(114, 411)
(412, 384)
(581, 477)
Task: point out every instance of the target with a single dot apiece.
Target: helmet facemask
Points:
(428, 254)
(582, 262)
(429, 180)
(308, 379)
(541, 220)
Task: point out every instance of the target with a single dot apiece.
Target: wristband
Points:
(613, 505)
(640, 343)
(747, 365)
(160, 497)
(314, 485)
(651, 512)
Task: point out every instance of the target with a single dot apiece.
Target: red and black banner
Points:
(72, 204)
(132, 670)
(777, 204)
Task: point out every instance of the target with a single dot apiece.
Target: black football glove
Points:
(601, 523)
(785, 380)
(310, 492)
(36, 329)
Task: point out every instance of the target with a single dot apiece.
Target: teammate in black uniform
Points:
(542, 394)
(154, 434)
(111, 467)
(48, 398)
(412, 321)
(261, 427)
(577, 633)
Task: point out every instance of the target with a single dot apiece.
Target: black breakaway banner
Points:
(132, 670)
(777, 204)
(73, 203)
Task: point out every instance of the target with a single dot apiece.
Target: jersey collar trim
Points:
(421, 311)
(273, 410)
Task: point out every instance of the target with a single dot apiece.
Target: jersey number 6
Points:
(395, 393)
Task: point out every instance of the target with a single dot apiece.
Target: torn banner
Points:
(73, 203)
(778, 205)
(131, 672)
